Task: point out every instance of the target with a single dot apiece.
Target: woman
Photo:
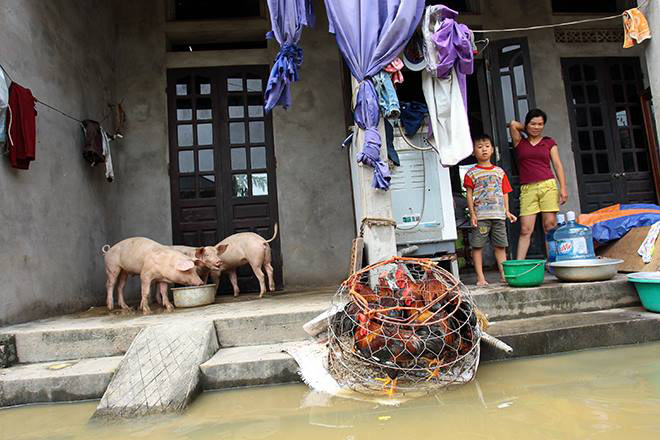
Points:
(538, 192)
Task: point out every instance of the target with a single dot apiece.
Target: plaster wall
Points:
(53, 215)
(653, 57)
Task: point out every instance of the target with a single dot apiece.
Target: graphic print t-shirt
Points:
(489, 184)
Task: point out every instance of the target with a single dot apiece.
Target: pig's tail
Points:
(105, 249)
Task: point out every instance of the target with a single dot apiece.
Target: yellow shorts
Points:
(538, 197)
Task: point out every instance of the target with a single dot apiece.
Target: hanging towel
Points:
(636, 28)
(394, 69)
(451, 129)
(22, 128)
(93, 146)
(109, 172)
(4, 102)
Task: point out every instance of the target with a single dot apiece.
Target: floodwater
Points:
(599, 394)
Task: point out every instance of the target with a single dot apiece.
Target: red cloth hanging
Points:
(22, 132)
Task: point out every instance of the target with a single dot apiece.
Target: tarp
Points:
(613, 222)
(287, 18)
(370, 34)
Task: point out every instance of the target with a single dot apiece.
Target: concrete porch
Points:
(73, 357)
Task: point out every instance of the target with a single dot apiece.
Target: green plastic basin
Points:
(647, 285)
(524, 273)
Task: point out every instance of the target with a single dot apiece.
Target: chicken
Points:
(345, 321)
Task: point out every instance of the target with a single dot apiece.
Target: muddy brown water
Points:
(599, 394)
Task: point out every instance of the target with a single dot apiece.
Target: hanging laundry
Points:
(109, 172)
(394, 69)
(448, 50)
(22, 127)
(389, 141)
(93, 146)
(412, 116)
(4, 102)
(388, 102)
(635, 26)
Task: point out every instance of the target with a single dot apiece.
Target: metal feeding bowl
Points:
(194, 296)
(403, 325)
(595, 269)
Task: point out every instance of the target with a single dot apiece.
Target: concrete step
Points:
(248, 366)
(268, 364)
(56, 381)
(279, 318)
(574, 331)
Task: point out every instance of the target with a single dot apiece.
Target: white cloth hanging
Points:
(4, 103)
(109, 172)
(449, 122)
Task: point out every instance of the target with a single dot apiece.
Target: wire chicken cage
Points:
(403, 324)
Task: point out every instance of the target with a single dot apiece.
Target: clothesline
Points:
(547, 26)
(45, 104)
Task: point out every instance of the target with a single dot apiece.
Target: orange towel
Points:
(635, 26)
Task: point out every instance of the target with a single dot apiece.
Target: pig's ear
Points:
(184, 265)
(221, 248)
(199, 252)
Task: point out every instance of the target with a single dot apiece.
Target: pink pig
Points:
(247, 248)
(153, 262)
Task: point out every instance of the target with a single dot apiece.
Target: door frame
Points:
(608, 126)
(651, 138)
(222, 154)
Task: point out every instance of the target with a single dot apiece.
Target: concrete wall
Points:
(653, 57)
(53, 216)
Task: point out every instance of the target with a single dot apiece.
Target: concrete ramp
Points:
(160, 371)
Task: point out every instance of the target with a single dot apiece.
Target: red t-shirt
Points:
(534, 160)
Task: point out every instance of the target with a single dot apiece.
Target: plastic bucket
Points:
(648, 288)
(524, 273)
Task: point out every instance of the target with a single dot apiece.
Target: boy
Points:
(488, 191)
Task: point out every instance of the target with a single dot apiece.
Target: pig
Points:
(153, 262)
(246, 248)
(210, 257)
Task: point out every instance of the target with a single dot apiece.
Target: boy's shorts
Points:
(495, 229)
(538, 197)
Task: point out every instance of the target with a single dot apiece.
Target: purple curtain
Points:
(370, 33)
(287, 18)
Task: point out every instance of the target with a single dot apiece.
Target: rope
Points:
(642, 5)
(45, 104)
(375, 221)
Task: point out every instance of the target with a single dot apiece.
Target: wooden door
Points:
(610, 145)
(222, 159)
(511, 81)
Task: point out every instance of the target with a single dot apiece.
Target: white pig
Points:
(210, 256)
(246, 248)
(153, 262)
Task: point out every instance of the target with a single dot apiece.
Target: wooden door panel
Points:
(607, 128)
(222, 159)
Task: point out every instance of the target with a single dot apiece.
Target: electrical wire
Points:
(642, 5)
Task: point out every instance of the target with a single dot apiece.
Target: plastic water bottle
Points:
(550, 240)
(574, 241)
